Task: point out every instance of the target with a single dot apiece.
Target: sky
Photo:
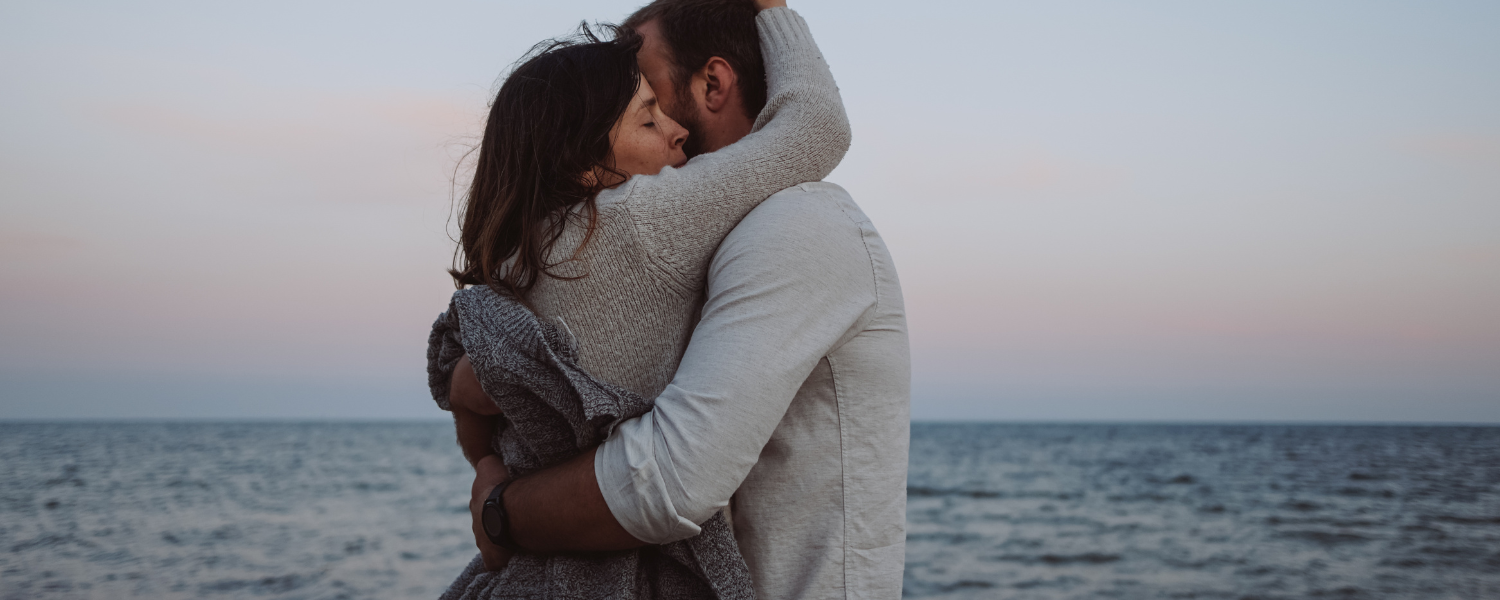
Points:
(1100, 211)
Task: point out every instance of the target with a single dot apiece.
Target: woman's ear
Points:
(600, 177)
(722, 89)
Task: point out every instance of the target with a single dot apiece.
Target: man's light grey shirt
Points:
(792, 403)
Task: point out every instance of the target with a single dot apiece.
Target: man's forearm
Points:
(561, 509)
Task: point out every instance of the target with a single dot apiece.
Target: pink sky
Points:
(1160, 212)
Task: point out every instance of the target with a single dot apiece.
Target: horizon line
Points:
(379, 421)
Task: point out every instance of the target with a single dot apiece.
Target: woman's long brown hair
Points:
(546, 149)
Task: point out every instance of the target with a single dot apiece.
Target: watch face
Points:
(490, 519)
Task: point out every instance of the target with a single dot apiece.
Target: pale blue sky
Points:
(1102, 211)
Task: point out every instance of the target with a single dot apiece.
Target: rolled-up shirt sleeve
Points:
(792, 282)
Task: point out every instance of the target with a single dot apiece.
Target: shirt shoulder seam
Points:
(869, 256)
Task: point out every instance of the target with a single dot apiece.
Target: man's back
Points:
(793, 396)
(833, 474)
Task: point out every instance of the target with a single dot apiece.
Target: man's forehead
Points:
(653, 46)
(649, 29)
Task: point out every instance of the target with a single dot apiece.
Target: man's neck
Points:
(725, 132)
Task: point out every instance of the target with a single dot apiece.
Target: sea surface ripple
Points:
(1197, 511)
(1024, 511)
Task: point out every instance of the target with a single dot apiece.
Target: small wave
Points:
(950, 538)
(1446, 550)
(1405, 563)
(1139, 498)
(927, 492)
(1038, 583)
(1362, 492)
(1460, 520)
(1302, 506)
(264, 585)
(52, 540)
(1326, 538)
(1347, 591)
(1088, 558)
(924, 588)
(930, 492)
(1356, 523)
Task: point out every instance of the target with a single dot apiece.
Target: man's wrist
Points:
(496, 519)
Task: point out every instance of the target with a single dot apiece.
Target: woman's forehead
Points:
(645, 98)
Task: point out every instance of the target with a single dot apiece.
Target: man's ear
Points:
(722, 88)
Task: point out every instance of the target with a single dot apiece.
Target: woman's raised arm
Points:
(682, 214)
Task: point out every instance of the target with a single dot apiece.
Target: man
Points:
(791, 404)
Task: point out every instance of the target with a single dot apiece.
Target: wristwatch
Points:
(496, 521)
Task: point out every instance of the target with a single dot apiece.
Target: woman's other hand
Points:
(474, 414)
(488, 473)
(464, 391)
(765, 4)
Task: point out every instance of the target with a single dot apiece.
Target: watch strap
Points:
(496, 503)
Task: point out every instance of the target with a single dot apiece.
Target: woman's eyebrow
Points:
(648, 103)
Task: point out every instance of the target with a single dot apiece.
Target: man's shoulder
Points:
(813, 225)
(805, 208)
(814, 188)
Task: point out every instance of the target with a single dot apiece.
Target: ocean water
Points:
(1234, 512)
(344, 510)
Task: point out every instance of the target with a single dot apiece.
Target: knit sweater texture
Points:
(552, 411)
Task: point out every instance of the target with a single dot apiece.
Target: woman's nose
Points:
(679, 136)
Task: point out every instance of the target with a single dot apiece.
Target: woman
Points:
(584, 207)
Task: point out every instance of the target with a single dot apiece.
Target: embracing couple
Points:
(678, 361)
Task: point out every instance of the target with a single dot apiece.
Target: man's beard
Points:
(687, 117)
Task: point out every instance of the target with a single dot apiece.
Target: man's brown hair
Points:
(697, 30)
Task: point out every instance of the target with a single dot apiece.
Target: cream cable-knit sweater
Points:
(646, 262)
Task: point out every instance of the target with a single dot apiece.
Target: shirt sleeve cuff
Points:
(634, 485)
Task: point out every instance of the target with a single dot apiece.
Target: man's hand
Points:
(488, 473)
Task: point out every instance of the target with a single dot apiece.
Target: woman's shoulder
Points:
(611, 235)
(617, 198)
(619, 212)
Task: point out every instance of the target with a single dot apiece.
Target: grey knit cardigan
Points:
(553, 410)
